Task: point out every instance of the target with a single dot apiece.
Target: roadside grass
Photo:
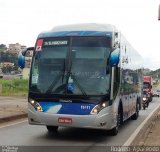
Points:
(13, 87)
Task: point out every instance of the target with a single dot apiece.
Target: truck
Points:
(147, 86)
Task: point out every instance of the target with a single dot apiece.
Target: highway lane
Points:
(23, 134)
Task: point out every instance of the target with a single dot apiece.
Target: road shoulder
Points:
(149, 135)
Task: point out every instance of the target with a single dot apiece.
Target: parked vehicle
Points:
(156, 94)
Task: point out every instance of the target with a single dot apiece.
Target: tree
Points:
(2, 47)
(9, 57)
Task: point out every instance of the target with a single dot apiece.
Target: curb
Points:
(14, 117)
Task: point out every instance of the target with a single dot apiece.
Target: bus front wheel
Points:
(114, 131)
(52, 129)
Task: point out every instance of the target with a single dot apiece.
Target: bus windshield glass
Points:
(71, 65)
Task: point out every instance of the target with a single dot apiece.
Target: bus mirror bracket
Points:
(114, 57)
(21, 57)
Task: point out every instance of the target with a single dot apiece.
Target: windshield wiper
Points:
(77, 83)
(53, 84)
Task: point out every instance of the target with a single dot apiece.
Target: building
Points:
(15, 48)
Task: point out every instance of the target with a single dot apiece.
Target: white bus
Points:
(85, 76)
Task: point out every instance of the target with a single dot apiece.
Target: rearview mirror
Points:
(24, 52)
(114, 57)
(21, 57)
(21, 60)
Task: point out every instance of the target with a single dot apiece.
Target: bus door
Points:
(130, 86)
(125, 91)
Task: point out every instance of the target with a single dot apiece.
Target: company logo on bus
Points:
(63, 100)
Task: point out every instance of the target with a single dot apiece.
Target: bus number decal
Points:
(83, 107)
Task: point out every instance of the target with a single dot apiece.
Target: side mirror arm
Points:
(21, 57)
(26, 50)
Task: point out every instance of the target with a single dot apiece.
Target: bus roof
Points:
(91, 29)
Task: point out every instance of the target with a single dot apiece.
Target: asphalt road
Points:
(22, 134)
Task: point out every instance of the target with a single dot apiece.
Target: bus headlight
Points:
(32, 102)
(36, 105)
(99, 107)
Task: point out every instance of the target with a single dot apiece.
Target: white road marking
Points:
(135, 133)
(13, 124)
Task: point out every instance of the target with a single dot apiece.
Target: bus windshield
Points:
(72, 65)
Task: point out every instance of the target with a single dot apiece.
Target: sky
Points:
(22, 21)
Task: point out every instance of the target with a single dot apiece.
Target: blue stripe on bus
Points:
(74, 33)
(67, 108)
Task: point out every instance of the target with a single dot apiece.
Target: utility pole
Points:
(159, 13)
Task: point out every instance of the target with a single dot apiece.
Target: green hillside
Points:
(155, 74)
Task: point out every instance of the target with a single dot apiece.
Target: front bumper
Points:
(103, 120)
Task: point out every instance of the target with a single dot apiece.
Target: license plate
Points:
(65, 120)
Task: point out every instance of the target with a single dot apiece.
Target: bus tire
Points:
(115, 130)
(52, 129)
(136, 115)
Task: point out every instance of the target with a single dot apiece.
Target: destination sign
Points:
(48, 43)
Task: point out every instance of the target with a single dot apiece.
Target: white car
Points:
(156, 93)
